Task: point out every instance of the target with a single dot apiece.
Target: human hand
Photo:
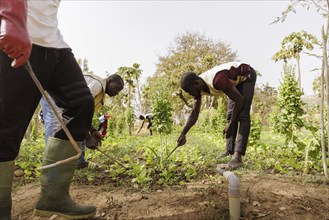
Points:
(97, 137)
(14, 38)
(91, 143)
(181, 140)
(228, 130)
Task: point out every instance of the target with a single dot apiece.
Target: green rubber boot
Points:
(55, 183)
(6, 182)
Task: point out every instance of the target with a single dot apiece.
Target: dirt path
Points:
(262, 197)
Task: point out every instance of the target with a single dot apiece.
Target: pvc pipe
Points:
(233, 192)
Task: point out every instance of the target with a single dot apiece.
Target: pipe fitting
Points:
(233, 192)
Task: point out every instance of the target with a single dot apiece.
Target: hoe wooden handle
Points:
(29, 69)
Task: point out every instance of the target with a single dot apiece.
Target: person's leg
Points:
(52, 125)
(19, 98)
(50, 121)
(247, 90)
(55, 198)
(149, 127)
(6, 182)
(82, 163)
(230, 142)
(69, 90)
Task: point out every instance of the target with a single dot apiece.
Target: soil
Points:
(262, 197)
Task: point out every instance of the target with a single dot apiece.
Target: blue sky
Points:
(111, 34)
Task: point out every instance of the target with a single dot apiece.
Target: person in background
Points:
(102, 128)
(237, 81)
(54, 65)
(98, 86)
(147, 118)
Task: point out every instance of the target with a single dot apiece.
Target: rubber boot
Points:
(6, 181)
(55, 183)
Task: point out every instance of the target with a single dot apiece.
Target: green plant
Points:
(288, 119)
(255, 129)
(30, 157)
(162, 108)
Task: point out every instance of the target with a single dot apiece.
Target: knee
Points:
(8, 150)
(245, 119)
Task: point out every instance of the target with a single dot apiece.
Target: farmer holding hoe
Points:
(146, 118)
(38, 39)
(98, 86)
(237, 81)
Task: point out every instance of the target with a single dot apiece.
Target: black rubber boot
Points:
(6, 182)
(55, 183)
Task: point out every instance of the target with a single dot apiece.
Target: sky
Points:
(112, 34)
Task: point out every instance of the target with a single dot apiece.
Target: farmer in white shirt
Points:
(98, 86)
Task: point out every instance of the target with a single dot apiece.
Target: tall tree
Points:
(83, 63)
(322, 8)
(292, 46)
(130, 76)
(324, 76)
(162, 107)
(190, 51)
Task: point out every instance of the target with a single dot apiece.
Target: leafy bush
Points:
(255, 129)
(162, 108)
(212, 120)
(288, 119)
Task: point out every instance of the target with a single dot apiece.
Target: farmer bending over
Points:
(237, 81)
(98, 86)
(148, 118)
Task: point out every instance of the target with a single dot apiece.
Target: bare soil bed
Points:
(262, 197)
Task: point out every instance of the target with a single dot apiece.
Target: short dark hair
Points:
(115, 78)
(187, 79)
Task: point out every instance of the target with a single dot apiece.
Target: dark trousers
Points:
(59, 74)
(239, 140)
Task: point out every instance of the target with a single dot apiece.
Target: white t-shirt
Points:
(94, 85)
(42, 23)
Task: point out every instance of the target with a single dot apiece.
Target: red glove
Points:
(14, 38)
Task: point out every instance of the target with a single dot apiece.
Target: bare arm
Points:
(181, 96)
(141, 126)
(238, 99)
(193, 117)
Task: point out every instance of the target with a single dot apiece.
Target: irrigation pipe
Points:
(233, 192)
(29, 69)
